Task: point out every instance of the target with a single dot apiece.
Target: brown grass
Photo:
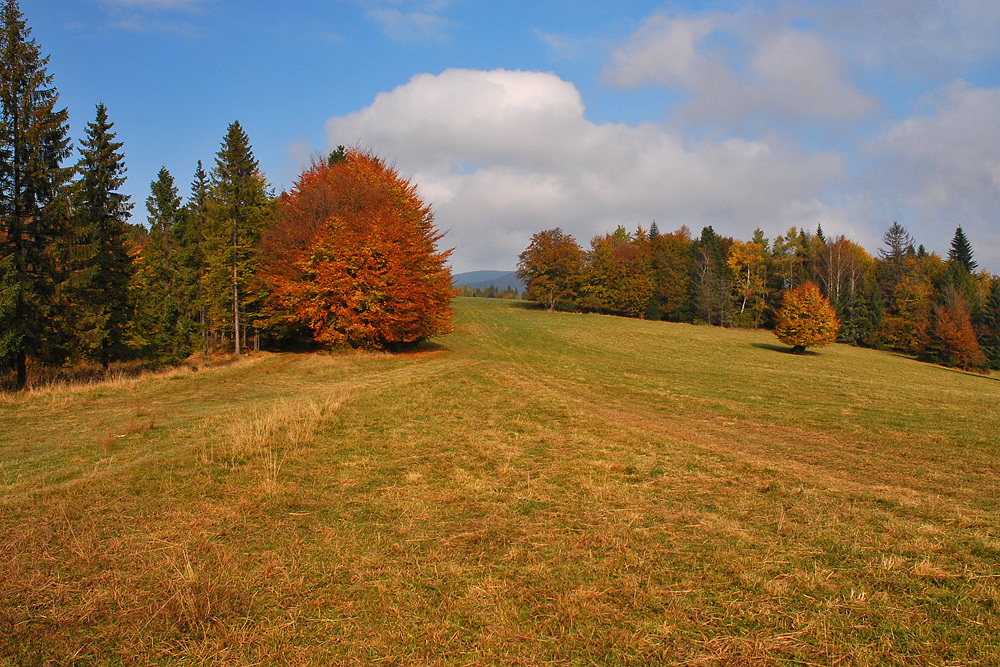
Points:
(537, 489)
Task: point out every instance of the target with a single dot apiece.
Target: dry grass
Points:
(537, 489)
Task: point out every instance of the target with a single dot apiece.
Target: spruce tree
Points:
(193, 246)
(960, 253)
(102, 267)
(167, 328)
(33, 145)
(898, 248)
(238, 204)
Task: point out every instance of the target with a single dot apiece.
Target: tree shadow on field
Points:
(421, 347)
(784, 350)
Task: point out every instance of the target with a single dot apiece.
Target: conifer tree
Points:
(102, 266)
(33, 145)
(192, 245)
(238, 204)
(166, 327)
(988, 325)
(960, 253)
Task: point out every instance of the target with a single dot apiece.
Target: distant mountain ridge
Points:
(483, 279)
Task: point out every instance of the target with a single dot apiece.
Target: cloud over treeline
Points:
(503, 154)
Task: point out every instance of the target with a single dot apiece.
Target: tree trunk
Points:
(799, 349)
(236, 301)
(22, 370)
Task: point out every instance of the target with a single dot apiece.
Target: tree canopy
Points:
(805, 319)
(33, 209)
(352, 256)
(551, 268)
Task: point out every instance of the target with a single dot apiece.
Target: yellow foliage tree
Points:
(805, 319)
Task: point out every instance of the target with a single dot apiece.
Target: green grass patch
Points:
(535, 488)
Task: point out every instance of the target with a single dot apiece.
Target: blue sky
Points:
(520, 116)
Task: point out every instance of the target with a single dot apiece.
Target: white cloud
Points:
(663, 51)
(791, 75)
(410, 26)
(946, 168)
(926, 38)
(799, 74)
(504, 154)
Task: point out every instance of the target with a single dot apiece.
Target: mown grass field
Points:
(536, 488)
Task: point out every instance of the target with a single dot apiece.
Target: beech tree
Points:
(805, 319)
(352, 256)
(619, 273)
(551, 268)
(33, 205)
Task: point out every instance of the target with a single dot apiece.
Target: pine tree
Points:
(33, 145)
(102, 267)
(238, 204)
(960, 253)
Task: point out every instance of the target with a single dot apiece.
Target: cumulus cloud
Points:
(504, 154)
(791, 75)
(945, 166)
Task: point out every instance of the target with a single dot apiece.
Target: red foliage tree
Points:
(805, 319)
(952, 341)
(352, 256)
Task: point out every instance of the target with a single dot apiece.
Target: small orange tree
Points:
(805, 319)
(352, 256)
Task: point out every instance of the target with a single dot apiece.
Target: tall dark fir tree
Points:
(960, 253)
(102, 266)
(238, 204)
(33, 203)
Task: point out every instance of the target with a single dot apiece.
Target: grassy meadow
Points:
(536, 488)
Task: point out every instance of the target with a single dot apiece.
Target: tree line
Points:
(228, 267)
(907, 299)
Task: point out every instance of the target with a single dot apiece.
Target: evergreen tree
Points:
(960, 253)
(167, 329)
(898, 248)
(337, 156)
(710, 280)
(238, 204)
(654, 231)
(192, 246)
(33, 145)
(102, 267)
(988, 325)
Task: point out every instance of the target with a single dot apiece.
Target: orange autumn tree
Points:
(352, 255)
(805, 319)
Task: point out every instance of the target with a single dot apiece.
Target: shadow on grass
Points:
(784, 349)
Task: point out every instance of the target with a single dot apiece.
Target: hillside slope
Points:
(535, 488)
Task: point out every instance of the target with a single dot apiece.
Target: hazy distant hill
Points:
(483, 279)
